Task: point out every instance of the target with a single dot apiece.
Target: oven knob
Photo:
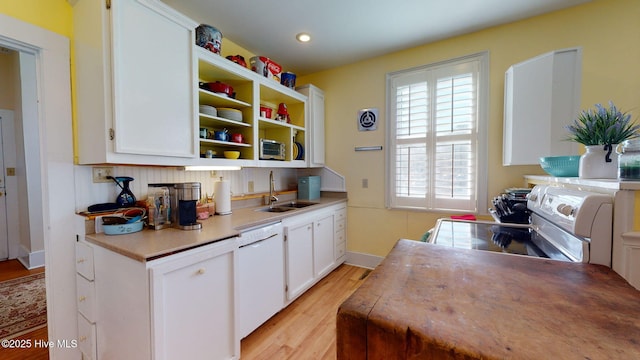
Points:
(565, 209)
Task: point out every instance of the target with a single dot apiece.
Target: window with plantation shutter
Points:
(436, 153)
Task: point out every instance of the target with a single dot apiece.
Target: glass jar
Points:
(629, 160)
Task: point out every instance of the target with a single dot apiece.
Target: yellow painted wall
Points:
(606, 30)
(8, 64)
(53, 15)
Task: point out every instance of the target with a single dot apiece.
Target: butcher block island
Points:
(427, 301)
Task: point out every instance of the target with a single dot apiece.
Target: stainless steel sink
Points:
(286, 207)
(297, 205)
(276, 209)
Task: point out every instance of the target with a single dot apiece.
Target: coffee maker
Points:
(185, 198)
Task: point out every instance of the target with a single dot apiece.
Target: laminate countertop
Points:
(427, 301)
(151, 244)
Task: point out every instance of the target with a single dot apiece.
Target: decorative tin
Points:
(266, 67)
(209, 38)
(288, 79)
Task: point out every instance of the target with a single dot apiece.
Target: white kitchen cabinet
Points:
(135, 72)
(315, 110)
(323, 245)
(629, 264)
(299, 258)
(340, 239)
(193, 305)
(311, 243)
(85, 300)
(177, 306)
(542, 96)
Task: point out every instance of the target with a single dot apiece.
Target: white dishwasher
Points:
(261, 276)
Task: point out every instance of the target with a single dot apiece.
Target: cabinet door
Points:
(193, 306)
(153, 72)
(323, 248)
(316, 124)
(299, 246)
(542, 96)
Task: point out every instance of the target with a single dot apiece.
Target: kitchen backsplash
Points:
(88, 193)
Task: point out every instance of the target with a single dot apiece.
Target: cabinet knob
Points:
(80, 261)
(201, 271)
(82, 338)
(82, 298)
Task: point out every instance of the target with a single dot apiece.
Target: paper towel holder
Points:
(222, 197)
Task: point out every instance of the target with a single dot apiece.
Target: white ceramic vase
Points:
(593, 164)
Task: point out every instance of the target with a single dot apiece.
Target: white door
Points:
(193, 305)
(299, 247)
(5, 116)
(323, 252)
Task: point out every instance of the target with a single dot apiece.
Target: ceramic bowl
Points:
(561, 166)
(232, 154)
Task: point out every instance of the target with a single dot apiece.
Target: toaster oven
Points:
(271, 150)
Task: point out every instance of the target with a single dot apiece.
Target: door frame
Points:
(10, 182)
(57, 195)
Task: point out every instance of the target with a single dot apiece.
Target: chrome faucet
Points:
(272, 189)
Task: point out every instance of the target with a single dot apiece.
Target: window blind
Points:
(432, 143)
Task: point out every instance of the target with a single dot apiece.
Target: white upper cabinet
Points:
(135, 87)
(315, 109)
(542, 96)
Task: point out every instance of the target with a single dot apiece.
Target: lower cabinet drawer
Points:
(84, 260)
(341, 249)
(340, 224)
(86, 338)
(86, 294)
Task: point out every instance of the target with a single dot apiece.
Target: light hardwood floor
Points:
(306, 329)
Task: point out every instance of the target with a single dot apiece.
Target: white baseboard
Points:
(363, 260)
(31, 260)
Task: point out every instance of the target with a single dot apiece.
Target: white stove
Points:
(565, 224)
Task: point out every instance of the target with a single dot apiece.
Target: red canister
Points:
(265, 111)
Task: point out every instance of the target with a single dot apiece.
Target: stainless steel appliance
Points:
(186, 196)
(159, 204)
(271, 150)
(565, 224)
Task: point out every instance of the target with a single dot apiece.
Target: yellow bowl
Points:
(232, 154)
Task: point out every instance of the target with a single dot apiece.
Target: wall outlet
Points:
(365, 183)
(100, 174)
(250, 187)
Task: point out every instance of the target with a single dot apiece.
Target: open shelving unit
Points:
(250, 92)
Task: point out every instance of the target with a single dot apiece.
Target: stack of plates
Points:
(231, 114)
(208, 110)
(298, 151)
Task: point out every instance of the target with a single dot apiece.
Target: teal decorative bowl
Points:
(561, 166)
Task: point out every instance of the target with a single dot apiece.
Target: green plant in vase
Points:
(600, 130)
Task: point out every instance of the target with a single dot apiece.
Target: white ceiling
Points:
(346, 31)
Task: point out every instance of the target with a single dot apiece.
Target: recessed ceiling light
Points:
(303, 37)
